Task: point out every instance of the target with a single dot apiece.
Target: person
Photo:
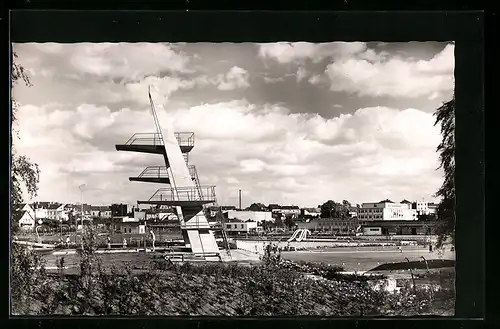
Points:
(268, 250)
(109, 242)
(430, 247)
(67, 242)
(124, 243)
(153, 239)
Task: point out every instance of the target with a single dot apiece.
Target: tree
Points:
(278, 222)
(335, 210)
(327, 209)
(257, 207)
(426, 217)
(24, 173)
(289, 222)
(445, 116)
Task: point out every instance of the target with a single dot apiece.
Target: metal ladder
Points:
(223, 231)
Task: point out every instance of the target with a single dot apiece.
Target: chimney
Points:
(239, 197)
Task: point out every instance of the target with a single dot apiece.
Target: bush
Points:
(273, 288)
(27, 276)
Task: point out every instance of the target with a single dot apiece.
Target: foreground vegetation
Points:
(273, 288)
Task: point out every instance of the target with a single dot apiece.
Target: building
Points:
(56, 211)
(425, 208)
(139, 214)
(329, 225)
(398, 227)
(25, 217)
(119, 210)
(273, 206)
(353, 212)
(127, 225)
(257, 207)
(41, 209)
(386, 210)
(214, 210)
(310, 212)
(287, 210)
(433, 208)
(100, 211)
(256, 216)
(407, 203)
(369, 230)
(76, 210)
(241, 227)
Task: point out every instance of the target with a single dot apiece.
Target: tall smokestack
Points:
(239, 197)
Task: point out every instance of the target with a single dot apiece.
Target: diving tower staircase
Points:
(184, 194)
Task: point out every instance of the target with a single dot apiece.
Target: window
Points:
(242, 225)
(130, 230)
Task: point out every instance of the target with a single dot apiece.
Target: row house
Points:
(50, 210)
(100, 211)
(330, 225)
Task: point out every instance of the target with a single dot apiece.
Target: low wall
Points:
(253, 246)
(259, 246)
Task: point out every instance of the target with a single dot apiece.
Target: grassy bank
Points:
(271, 289)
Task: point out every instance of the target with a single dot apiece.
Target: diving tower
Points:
(185, 193)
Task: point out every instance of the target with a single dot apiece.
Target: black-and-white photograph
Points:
(233, 179)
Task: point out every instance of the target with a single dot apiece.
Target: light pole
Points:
(426, 264)
(239, 198)
(81, 200)
(411, 272)
(40, 222)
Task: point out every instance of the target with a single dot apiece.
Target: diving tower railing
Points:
(156, 139)
(162, 172)
(204, 194)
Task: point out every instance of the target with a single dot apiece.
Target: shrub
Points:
(275, 287)
(27, 276)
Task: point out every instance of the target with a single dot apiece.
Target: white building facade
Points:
(426, 208)
(242, 227)
(386, 211)
(27, 221)
(256, 216)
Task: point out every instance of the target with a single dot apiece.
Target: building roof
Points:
(405, 201)
(315, 210)
(100, 208)
(290, 207)
(386, 201)
(392, 223)
(40, 204)
(53, 206)
(17, 215)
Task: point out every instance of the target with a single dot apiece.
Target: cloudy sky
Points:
(293, 123)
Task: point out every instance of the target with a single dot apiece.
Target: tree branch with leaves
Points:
(24, 173)
(445, 116)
